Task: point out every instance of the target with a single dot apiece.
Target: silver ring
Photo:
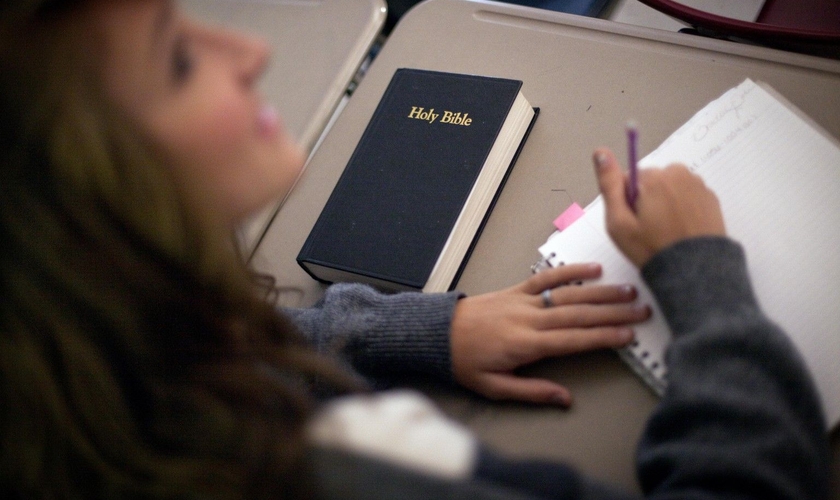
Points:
(546, 298)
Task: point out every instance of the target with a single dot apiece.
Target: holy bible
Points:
(422, 181)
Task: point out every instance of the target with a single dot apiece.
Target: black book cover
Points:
(400, 194)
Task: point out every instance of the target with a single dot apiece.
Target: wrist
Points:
(705, 274)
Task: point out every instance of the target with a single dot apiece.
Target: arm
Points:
(740, 418)
(382, 334)
(477, 341)
(740, 411)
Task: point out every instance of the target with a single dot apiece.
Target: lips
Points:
(268, 122)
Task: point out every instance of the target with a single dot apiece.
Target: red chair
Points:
(809, 26)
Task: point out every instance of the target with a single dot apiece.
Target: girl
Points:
(136, 359)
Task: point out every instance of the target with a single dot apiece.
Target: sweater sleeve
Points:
(741, 417)
(382, 335)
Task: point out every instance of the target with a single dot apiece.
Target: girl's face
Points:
(191, 88)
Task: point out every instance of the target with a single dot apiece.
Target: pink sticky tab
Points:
(570, 215)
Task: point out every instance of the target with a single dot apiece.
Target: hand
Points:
(496, 333)
(673, 204)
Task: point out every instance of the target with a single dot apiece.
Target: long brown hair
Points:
(135, 359)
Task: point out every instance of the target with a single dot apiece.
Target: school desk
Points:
(588, 76)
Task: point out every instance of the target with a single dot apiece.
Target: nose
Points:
(254, 54)
(248, 55)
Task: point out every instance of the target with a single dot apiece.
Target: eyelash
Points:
(182, 63)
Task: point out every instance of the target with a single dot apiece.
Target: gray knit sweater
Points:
(740, 418)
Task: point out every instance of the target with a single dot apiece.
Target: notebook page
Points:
(586, 240)
(778, 181)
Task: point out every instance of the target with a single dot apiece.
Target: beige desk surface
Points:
(588, 76)
(318, 45)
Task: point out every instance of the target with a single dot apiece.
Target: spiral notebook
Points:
(777, 175)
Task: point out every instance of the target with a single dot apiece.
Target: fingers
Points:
(578, 340)
(611, 183)
(507, 386)
(558, 276)
(592, 294)
(591, 315)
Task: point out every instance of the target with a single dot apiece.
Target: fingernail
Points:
(643, 308)
(561, 399)
(628, 290)
(625, 335)
(601, 160)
